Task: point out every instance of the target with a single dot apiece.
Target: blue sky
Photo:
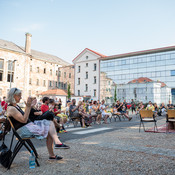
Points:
(65, 27)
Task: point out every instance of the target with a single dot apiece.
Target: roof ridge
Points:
(101, 55)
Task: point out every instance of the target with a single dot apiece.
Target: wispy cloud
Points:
(29, 28)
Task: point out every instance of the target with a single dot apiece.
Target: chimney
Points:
(28, 43)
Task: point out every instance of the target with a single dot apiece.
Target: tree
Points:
(68, 91)
(115, 94)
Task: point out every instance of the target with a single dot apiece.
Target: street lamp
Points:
(11, 66)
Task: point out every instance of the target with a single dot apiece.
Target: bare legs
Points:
(99, 118)
(52, 137)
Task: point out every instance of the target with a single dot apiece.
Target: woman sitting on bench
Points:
(26, 129)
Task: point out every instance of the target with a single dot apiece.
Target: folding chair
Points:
(21, 142)
(147, 116)
(170, 118)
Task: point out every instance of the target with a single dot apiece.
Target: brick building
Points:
(29, 70)
(65, 77)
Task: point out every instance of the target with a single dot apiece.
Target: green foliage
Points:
(115, 94)
(68, 91)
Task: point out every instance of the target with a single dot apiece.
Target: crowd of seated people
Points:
(37, 121)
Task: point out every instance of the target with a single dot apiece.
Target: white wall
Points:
(81, 61)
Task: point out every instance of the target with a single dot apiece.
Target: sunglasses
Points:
(15, 90)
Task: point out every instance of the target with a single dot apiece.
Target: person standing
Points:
(59, 103)
(133, 106)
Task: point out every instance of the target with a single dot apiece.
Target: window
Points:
(30, 68)
(123, 62)
(78, 80)
(44, 82)
(95, 93)
(44, 70)
(86, 87)
(86, 64)
(69, 75)
(172, 72)
(95, 79)
(37, 82)
(78, 92)
(79, 69)
(59, 74)
(10, 75)
(86, 75)
(64, 74)
(56, 72)
(30, 81)
(95, 67)
(50, 71)
(50, 83)
(1, 69)
(37, 69)
(56, 84)
(87, 57)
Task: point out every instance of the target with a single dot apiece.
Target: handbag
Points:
(5, 152)
(5, 155)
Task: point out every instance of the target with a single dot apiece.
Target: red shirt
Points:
(4, 104)
(55, 111)
(44, 108)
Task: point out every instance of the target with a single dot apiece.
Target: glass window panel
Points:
(172, 72)
(163, 73)
(1, 64)
(173, 56)
(153, 58)
(135, 60)
(158, 74)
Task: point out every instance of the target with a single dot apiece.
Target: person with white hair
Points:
(25, 128)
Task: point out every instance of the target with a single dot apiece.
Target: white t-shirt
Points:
(102, 107)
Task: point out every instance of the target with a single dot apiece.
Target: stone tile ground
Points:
(120, 152)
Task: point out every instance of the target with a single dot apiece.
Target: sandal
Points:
(55, 158)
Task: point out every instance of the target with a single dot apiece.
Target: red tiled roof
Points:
(101, 55)
(140, 80)
(162, 84)
(145, 80)
(55, 92)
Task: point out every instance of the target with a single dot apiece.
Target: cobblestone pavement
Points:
(123, 151)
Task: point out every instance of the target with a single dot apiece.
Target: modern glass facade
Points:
(142, 77)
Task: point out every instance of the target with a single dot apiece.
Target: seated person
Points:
(95, 112)
(103, 108)
(61, 118)
(163, 109)
(122, 110)
(140, 107)
(74, 112)
(150, 107)
(115, 111)
(170, 106)
(2, 112)
(25, 128)
(86, 118)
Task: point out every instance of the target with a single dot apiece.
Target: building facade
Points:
(65, 77)
(87, 74)
(122, 70)
(31, 71)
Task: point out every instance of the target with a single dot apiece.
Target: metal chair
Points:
(21, 142)
(147, 116)
(170, 118)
